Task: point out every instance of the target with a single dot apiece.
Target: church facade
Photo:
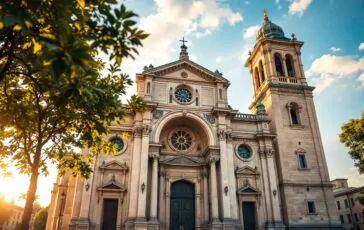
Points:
(192, 162)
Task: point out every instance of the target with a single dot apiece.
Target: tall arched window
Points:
(256, 77)
(278, 64)
(294, 113)
(261, 70)
(290, 66)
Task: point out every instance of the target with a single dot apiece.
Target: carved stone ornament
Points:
(229, 136)
(269, 152)
(157, 114)
(146, 130)
(221, 135)
(210, 118)
(213, 159)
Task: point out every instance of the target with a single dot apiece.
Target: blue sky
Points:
(221, 32)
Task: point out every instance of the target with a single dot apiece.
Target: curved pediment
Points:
(182, 161)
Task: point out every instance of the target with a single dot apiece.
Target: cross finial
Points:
(265, 14)
(183, 42)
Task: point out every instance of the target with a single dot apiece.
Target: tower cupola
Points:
(270, 30)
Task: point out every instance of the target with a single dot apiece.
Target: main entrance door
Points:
(182, 206)
(249, 216)
(110, 212)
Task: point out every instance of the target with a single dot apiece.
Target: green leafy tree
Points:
(53, 98)
(40, 219)
(352, 135)
(6, 210)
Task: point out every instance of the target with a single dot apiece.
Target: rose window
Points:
(181, 140)
(183, 95)
(119, 142)
(244, 152)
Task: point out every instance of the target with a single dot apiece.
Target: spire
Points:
(183, 54)
(265, 15)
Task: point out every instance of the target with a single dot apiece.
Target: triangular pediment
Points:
(112, 185)
(191, 68)
(181, 160)
(248, 190)
(246, 170)
(115, 165)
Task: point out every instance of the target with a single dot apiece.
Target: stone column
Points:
(143, 178)
(225, 197)
(274, 193)
(134, 179)
(154, 195)
(161, 208)
(284, 67)
(168, 200)
(205, 197)
(265, 180)
(231, 177)
(86, 197)
(213, 183)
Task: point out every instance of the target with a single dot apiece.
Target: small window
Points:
(352, 202)
(346, 203)
(302, 161)
(341, 219)
(148, 88)
(349, 218)
(338, 204)
(196, 101)
(356, 217)
(342, 184)
(220, 94)
(311, 207)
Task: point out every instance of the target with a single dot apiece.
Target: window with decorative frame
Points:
(294, 111)
(301, 159)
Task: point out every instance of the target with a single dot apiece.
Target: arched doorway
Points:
(182, 209)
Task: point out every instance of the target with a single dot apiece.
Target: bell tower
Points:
(279, 83)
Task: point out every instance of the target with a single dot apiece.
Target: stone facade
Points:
(351, 211)
(253, 171)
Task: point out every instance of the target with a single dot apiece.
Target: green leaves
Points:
(352, 135)
(58, 67)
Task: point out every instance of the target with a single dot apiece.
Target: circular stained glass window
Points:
(183, 95)
(244, 152)
(181, 140)
(119, 142)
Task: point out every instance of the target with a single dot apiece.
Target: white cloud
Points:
(298, 6)
(335, 49)
(329, 68)
(171, 20)
(361, 79)
(251, 32)
(361, 46)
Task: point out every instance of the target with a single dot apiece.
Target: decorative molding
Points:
(248, 190)
(246, 170)
(115, 166)
(146, 130)
(137, 131)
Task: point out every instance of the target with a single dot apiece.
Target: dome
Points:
(270, 30)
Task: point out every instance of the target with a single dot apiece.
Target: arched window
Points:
(256, 77)
(261, 70)
(278, 64)
(289, 64)
(294, 111)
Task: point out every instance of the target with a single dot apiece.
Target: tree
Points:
(352, 135)
(6, 211)
(40, 220)
(53, 98)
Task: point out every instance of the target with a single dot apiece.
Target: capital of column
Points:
(137, 131)
(213, 159)
(146, 130)
(154, 155)
(221, 135)
(229, 136)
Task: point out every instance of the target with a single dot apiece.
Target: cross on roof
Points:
(183, 41)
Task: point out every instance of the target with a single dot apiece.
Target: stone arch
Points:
(290, 65)
(278, 63)
(156, 133)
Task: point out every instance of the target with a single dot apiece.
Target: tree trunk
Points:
(31, 194)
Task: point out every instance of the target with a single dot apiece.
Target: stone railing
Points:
(245, 116)
(291, 80)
